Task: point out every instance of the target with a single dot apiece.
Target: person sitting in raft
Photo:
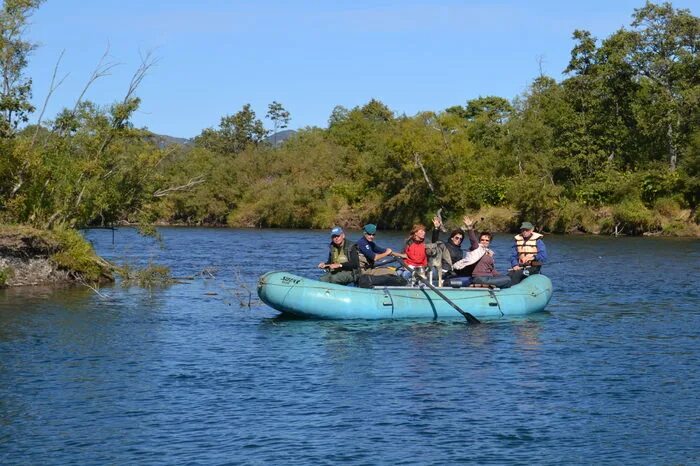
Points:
(484, 271)
(463, 272)
(414, 254)
(527, 254)
(478, 261)
(343, 262)
(370, 252)
(453, 246)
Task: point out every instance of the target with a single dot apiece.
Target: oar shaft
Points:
(470, 318)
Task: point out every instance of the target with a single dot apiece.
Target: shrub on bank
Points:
(5, 274)
(574, 217)
(494, 218)
(631, 217)
(77, 255)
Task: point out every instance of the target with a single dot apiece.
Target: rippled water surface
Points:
(192, 375)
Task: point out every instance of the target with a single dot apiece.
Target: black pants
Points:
(516, 276)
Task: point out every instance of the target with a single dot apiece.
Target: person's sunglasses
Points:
(370, 234)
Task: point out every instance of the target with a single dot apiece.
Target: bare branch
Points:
(166, 153)
(52, 219)
(147, 62)
(416, 157)
(52, 88)
(102, 69)
(94, 289)
(190, 184)
(540, 64)
(80, 196)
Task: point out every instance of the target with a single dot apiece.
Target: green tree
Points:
(279, 116)
(375, 110)
(15, 90)
(665, 56)
(488, 116)
(533, 144)
(235, 133)
(361, 127)
(594, 132)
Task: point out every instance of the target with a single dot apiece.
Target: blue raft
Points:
(304, 297)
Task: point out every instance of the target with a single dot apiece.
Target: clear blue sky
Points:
(216, 55)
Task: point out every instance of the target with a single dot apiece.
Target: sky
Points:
(214, 56)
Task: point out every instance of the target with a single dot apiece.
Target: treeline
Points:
(614, 147)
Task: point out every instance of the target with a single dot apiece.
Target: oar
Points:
(385, 261)
(470, 318)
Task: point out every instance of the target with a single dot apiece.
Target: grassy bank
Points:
(29, 256)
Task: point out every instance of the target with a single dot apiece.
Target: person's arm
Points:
(469, 258)
(435, 237)
(366, 249)
(473, 241)
(327, 264)
(493, 271)
(514, 257)
(469, 229)
(381, 255)
(541, 252)
(347, 266)
(353, 262)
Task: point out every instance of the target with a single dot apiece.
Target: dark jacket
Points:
(351, 252)
(456, 252)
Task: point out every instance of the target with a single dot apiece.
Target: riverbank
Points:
(572, 219)
(29, 256)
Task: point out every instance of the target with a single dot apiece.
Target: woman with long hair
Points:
(415, 247)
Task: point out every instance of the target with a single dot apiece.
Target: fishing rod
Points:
(563, 261)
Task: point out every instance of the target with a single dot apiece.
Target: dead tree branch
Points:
(190, 184)
(147, 62)
(416, 157)
(102, 69)
(52, 87)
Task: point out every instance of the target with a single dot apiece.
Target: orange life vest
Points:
(527, 248)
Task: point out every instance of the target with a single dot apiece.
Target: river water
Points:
(193, 374)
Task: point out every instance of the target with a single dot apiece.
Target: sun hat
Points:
(527, 226)
(370, 228)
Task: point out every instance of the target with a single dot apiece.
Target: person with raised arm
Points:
(453, 246)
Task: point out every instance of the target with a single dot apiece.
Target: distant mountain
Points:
(164, 140)
(280, 137)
